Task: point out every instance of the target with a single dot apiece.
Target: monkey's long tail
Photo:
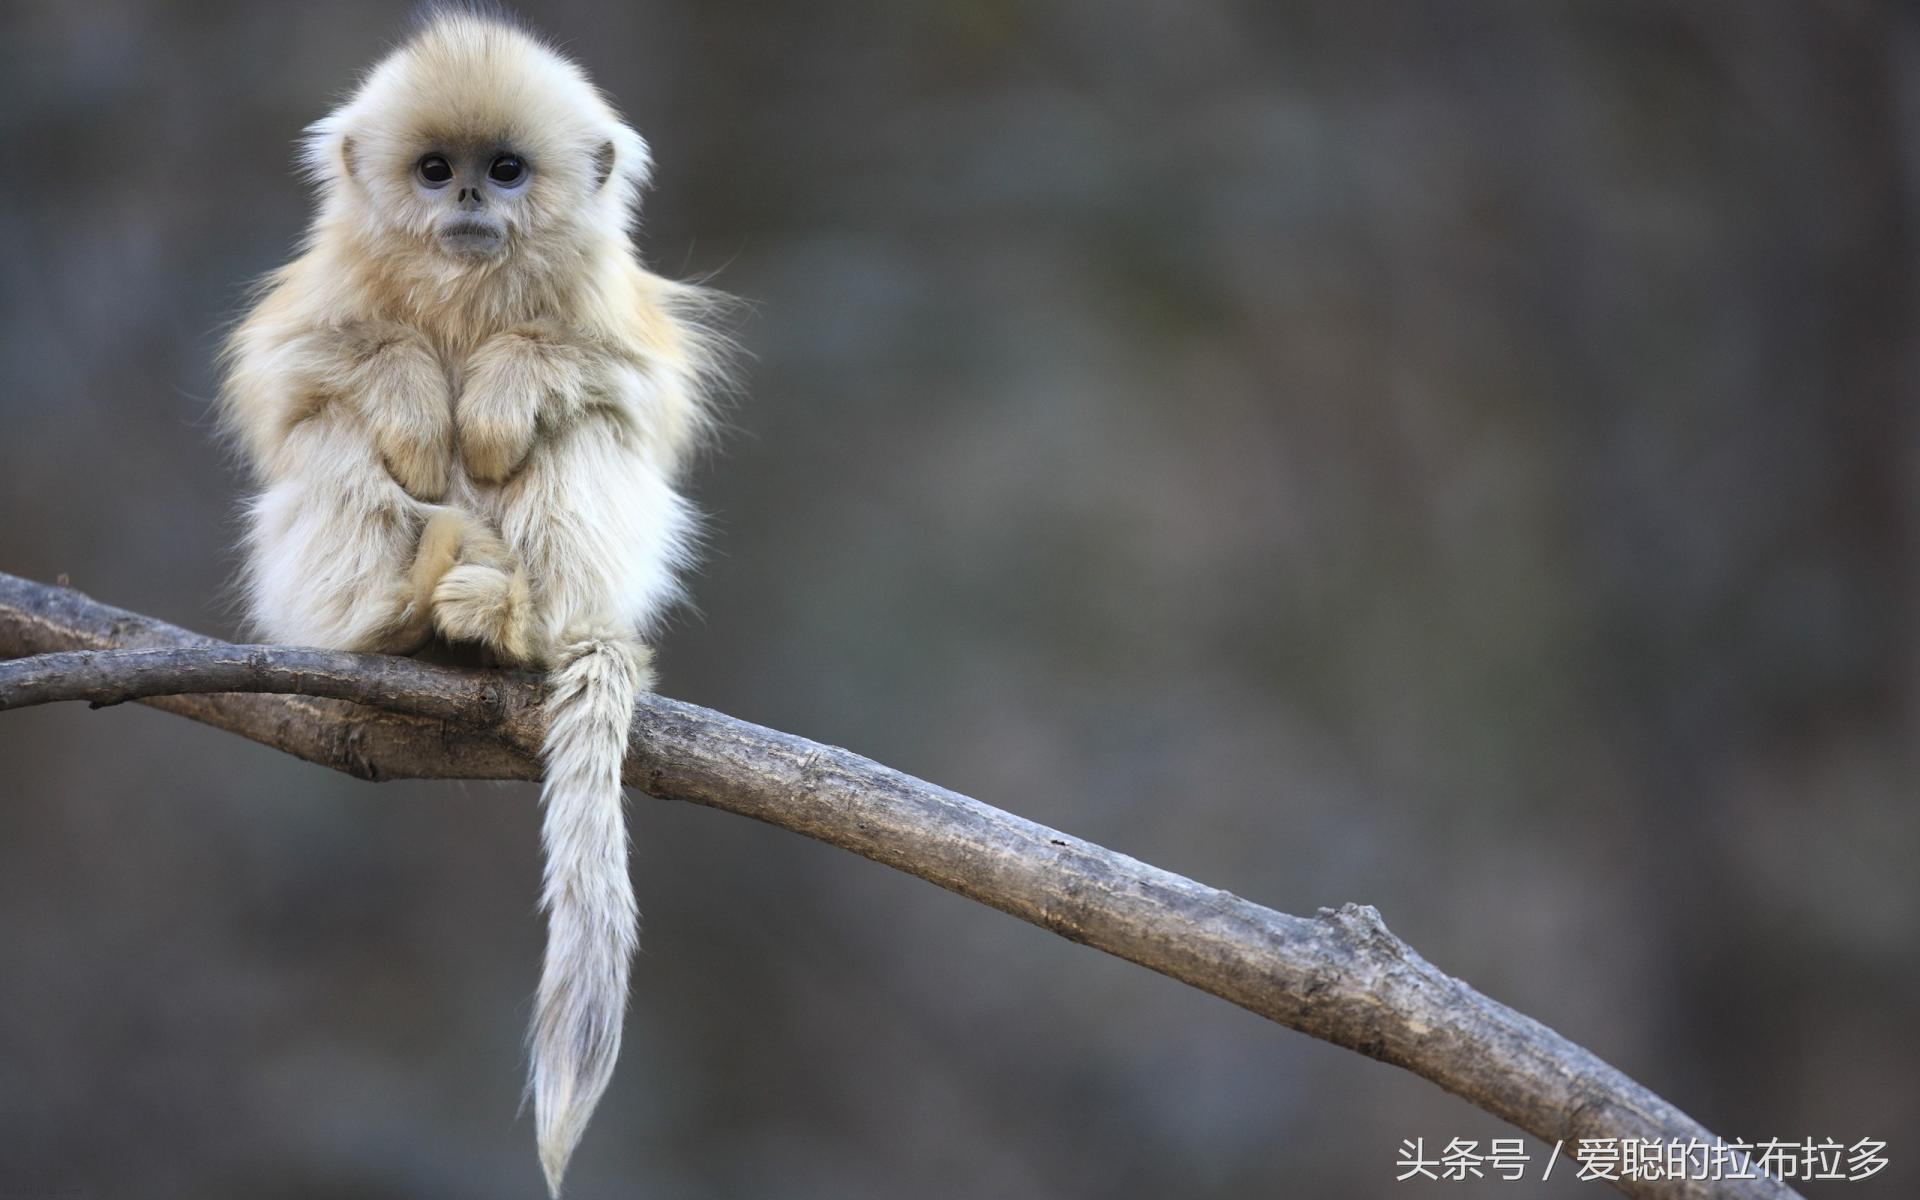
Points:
(592, 922)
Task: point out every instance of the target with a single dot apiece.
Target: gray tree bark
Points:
(1340, 975)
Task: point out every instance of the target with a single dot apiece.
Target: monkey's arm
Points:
(397, 385)
(384, 375)
(645, 364)
(532, 377)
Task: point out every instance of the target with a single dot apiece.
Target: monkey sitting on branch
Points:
(465, 407)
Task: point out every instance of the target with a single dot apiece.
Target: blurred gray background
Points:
(1456, 456)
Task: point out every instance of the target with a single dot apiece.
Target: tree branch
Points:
(1340, 976)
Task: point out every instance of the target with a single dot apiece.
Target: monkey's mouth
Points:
(472, 239)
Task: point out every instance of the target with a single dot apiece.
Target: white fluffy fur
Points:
(453, 450)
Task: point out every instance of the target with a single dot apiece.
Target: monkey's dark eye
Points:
(434, 170)
(507, 169)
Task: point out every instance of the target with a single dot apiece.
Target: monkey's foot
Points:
(477, 602)
(410, 628)
(449, 538)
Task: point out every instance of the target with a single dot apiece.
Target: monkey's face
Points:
(476, 190)
(470, 193)
(481, 147)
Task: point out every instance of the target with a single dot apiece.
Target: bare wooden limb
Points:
(1340, 975)
(365, 742)
(483, 699)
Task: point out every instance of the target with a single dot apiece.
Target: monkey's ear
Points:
(602, 164)
(346, 154)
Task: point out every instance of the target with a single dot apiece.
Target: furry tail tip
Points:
(592, 922)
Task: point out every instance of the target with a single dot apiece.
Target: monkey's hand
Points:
(519, 381)
(401, 392)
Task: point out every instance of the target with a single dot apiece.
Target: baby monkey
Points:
(465, 406)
